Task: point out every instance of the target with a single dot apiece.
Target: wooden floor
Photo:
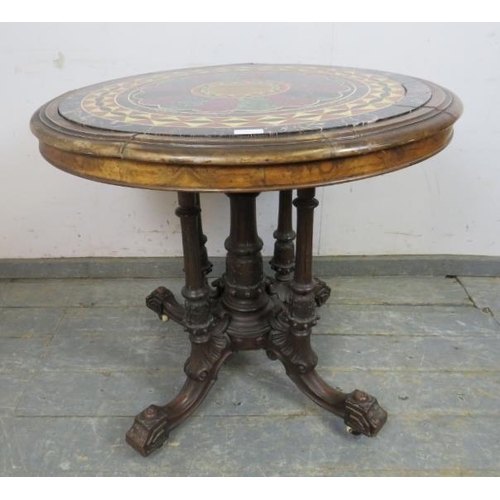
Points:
(79, 358)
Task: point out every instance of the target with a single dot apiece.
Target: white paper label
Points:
(248, 131)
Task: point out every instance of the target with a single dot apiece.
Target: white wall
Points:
(448, 205)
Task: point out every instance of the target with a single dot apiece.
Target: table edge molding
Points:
(241, 178)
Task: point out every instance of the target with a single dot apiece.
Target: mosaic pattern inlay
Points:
(248, 99)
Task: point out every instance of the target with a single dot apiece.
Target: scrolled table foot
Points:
(321, 292)
(208, 353)
(163, 302)
(363, 414)
(360, 411)
(149, 431)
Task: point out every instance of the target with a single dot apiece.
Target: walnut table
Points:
(241, 130)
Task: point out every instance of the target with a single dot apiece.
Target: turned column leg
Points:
(243, 286)
(210, 346)
(162, 300)
(292, 342)
(283, 261)
(206, 265)
(291, 339)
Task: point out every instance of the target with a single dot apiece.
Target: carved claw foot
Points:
(363, 414)
(280, 291)
(150, 430)
(154, 300)
(162, 302)
(208, 352)
(321, 292)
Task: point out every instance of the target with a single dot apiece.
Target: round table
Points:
(240, 130)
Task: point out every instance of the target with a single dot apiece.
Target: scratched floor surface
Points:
(79, 358)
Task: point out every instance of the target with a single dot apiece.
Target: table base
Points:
(246, 310)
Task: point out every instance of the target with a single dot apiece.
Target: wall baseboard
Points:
(165, 267)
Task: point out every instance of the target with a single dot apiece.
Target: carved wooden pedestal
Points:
(247, 128)
(248, 310)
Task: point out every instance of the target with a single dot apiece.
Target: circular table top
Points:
(246, 127)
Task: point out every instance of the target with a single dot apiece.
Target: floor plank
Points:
(485, 293)
(414, 290)
(257, 446)
(79, 358)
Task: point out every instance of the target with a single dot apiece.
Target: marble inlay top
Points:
(246, 99)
